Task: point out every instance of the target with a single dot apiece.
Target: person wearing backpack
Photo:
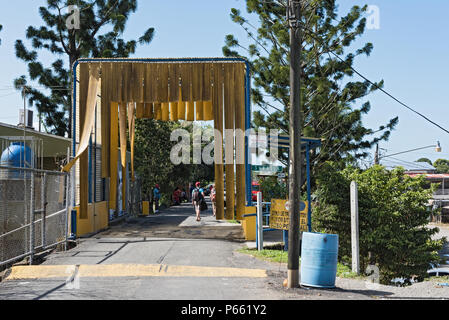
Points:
(197, 199)
(156, 198)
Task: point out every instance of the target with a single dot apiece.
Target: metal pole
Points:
(295, 144)
(259, 222)
(44, 209)
(355, 227)
(66, 231)
(32, 219)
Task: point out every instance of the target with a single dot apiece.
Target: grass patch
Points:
(271, 255)
(279, 255)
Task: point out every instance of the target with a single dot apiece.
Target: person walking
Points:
(156, 198)
(197, 198)
(176, 196)
(213, 199)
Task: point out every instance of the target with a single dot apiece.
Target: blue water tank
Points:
(17, 155)
(319, 257)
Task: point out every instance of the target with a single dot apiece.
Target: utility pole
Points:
(295, 161)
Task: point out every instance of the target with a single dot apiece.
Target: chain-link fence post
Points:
(44, 210)
(67, 194)
(32, 218)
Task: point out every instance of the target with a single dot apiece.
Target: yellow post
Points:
(229, 140)
(218, 125)
(145, 208)
(239, 81)
(113, 158)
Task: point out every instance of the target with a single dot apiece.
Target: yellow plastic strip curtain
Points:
(190, 111)
(87, 109)
(131, 126)
(165, 111)
(122, 126)
(173, 94)
(162, 82)
(208, 111)
(149, 82)
(138, 80)
(126, 82)
(217, 95)
(206, 88)
(186, 82)
(140, 110)
(181, 107)
(106, 91)
(113, 158)
(84, 160)
(148, 113)
(239, 81)
(229, 102)
(197, 81)
(157, 111)
(116, 79)
(173, 111)
(199, 111)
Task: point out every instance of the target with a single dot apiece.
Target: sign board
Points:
(266, 168)
(279, 215)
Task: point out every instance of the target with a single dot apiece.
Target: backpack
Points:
(196, 195)
(203, 205)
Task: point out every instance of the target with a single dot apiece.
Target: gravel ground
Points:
(353, 288)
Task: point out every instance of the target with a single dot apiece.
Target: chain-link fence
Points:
(33, 212)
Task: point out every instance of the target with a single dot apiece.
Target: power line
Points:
(403, 162)
(373, 84)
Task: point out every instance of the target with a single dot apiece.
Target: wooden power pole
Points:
(293, 17)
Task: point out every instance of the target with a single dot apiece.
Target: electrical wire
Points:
(371, 82)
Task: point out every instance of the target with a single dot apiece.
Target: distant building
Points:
(49, 151)
(440, 199)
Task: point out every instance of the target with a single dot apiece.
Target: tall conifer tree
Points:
(330, 95)
(97, 34)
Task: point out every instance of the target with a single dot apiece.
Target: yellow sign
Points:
(279, 215)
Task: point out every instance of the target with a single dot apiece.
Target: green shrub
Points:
(272, 189)
(393, 219)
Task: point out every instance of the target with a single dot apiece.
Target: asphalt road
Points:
(164, 257)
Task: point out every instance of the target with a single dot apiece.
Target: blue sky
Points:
(411, 51)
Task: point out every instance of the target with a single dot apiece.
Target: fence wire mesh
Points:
(33, 212)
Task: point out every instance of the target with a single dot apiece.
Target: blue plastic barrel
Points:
(319, 256)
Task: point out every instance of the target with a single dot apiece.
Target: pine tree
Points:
(330, 97)
(101, 25)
